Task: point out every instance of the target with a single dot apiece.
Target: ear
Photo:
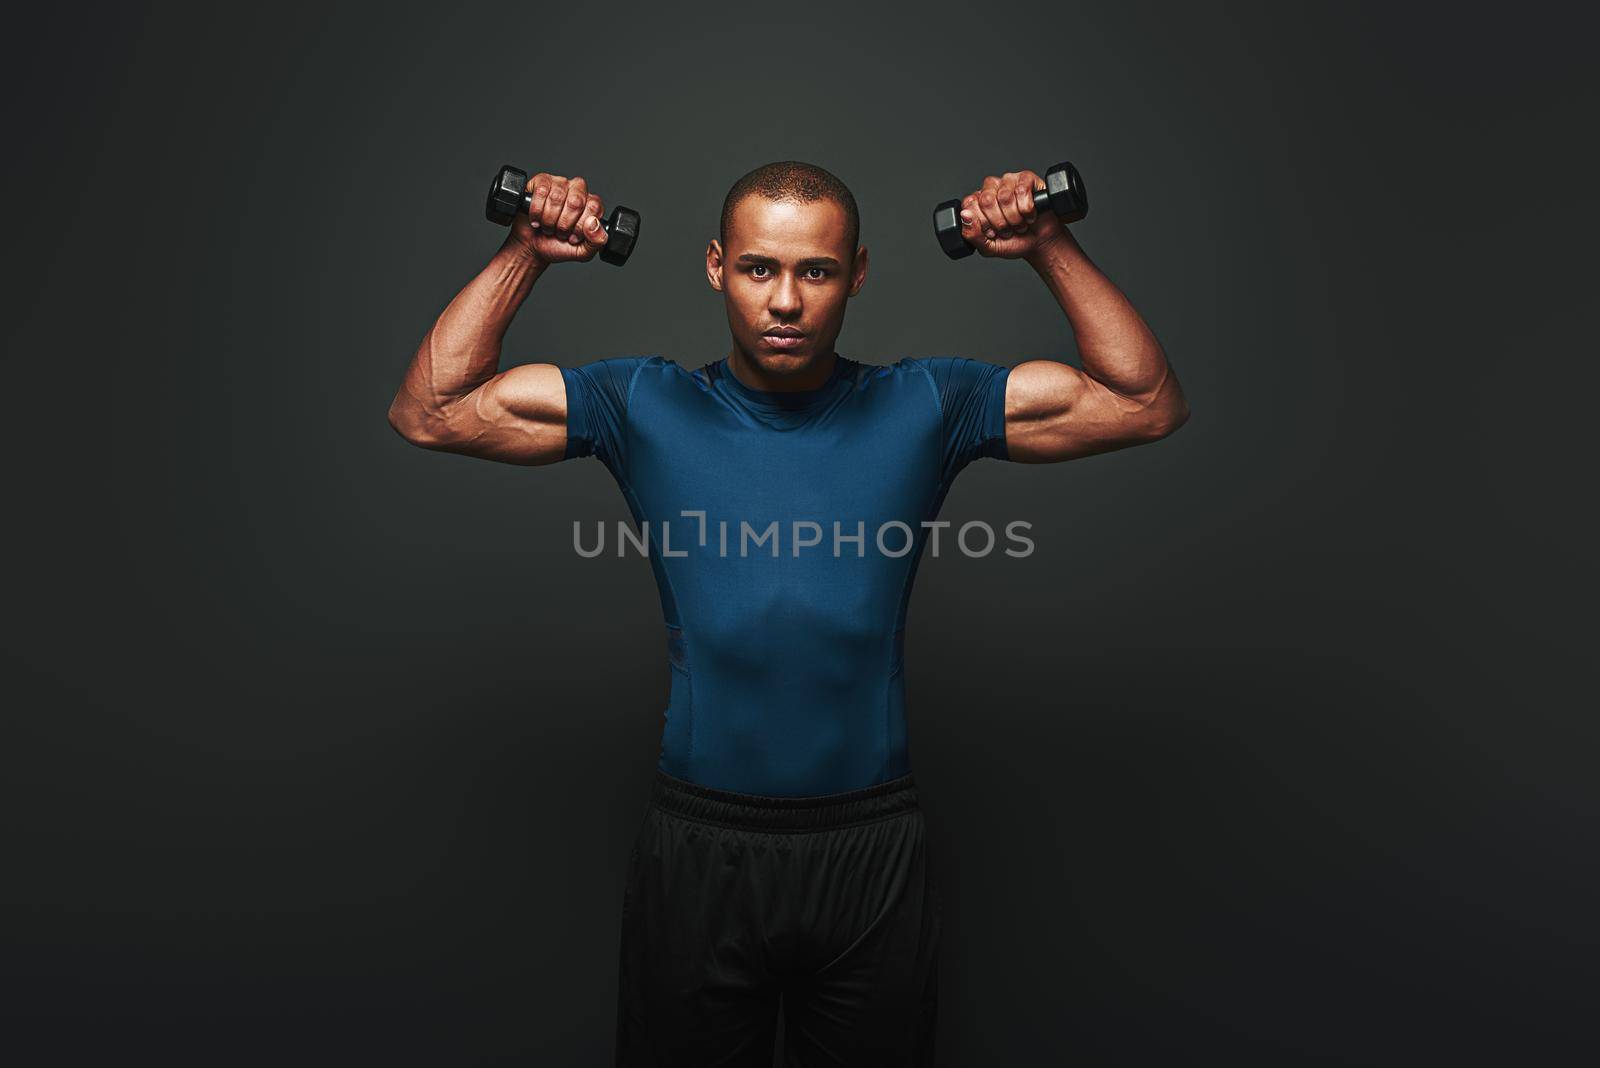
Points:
(714, 264)
(858, 271)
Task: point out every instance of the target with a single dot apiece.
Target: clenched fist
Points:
(1001, 220)
(562, 222)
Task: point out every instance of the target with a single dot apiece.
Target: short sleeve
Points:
(597, 408)
(972, 409)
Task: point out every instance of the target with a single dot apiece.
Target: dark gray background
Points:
(323, 749)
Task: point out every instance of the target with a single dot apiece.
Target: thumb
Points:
(970, 229)
(593, 233)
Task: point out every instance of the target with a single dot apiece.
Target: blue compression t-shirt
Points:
(785, 602)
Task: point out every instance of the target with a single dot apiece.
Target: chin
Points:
(779, 363)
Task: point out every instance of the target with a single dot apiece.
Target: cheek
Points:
(832, 302)
(742, 304)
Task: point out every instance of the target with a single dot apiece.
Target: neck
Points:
(813, 374)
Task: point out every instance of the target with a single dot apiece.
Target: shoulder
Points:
(945, 370)
(620, 376)
(660, 375)
(951, 379)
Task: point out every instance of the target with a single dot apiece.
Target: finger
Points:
(538, 190)
(1006, 201)
(589, 226)
(1006, 198)
(1026, 184)
(999, 227)
(989, 225)
(972, 223)
(993, 220)
(553, 204)
(577, 197)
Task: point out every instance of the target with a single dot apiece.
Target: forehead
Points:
(816, 226)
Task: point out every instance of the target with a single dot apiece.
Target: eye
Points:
(821, 272)
(758, 267)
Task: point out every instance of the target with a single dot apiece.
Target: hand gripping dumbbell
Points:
(509, 197)
(1063, 193)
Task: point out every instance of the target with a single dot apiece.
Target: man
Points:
(784, 852)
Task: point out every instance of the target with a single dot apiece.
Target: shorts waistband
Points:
(758, 812)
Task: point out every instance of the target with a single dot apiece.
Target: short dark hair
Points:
(792, 180)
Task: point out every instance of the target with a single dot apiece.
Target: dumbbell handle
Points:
(1063, 193)
(1073, 204)
(527, 202)
(509, 197)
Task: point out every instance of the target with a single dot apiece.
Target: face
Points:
(787, 268)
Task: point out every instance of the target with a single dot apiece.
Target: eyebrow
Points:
(810, 261)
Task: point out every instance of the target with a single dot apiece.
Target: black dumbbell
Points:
(509, 197)
(1063, 193)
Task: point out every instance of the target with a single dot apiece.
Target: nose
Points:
(785, 300)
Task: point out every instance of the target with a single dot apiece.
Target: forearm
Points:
(1118, 349)
(462, 349)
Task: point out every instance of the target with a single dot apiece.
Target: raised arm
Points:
(1126, 393)
(453, 397)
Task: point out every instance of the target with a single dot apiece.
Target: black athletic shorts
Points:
(733, 901)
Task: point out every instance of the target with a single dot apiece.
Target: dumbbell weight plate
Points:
(622, 234)
(507, 195)
(1063, 191)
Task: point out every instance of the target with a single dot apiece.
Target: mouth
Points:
(784, 337)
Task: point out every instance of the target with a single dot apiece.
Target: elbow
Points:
(1163, 421)
(404, 423)
(426, 430)
(1180, 416)
(1157, 413)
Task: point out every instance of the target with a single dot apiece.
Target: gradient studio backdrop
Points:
(323, 749)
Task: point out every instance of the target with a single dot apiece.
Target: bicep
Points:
(518, 417)
(1056, 412)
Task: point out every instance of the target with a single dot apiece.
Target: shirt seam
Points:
(626, 485)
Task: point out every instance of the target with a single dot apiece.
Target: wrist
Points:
(522, 255)
(1052, 252)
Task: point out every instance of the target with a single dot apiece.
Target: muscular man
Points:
(787, 493)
